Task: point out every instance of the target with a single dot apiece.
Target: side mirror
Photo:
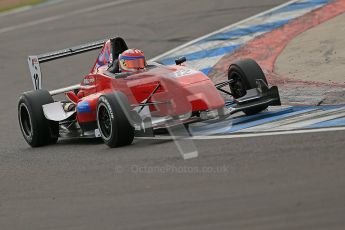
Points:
(180, 60)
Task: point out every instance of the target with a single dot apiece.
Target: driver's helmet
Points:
(132, 60)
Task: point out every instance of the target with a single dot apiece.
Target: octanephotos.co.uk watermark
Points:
(171, 169)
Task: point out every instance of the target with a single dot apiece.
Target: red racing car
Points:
(119, 105)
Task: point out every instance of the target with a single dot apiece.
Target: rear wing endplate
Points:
(35, 61)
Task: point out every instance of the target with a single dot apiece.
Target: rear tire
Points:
(245, 72)
(112, 122)
(36, 129)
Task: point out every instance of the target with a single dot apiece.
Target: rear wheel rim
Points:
(104, 122)
(25, 121)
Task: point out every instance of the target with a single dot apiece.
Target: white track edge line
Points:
(233, 136)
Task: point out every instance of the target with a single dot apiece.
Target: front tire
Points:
(113, 124)
(245, 72)
(36, 129)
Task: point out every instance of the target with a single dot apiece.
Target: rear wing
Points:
(35, 61)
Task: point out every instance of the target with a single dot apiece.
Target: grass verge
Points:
(7, 5)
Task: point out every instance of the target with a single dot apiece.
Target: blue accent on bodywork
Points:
(84, 107)
(131, 58)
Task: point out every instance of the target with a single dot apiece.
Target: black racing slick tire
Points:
(36, 129)
(245, 72)
(113, 124)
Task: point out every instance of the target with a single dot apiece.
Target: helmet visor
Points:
(133, 62)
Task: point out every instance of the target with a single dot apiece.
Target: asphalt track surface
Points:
(273, 182)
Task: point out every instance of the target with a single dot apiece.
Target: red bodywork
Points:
(186, 90)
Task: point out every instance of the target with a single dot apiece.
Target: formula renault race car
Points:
(117, 106)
